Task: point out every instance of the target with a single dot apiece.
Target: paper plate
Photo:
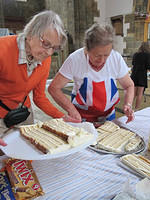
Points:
(19, 148)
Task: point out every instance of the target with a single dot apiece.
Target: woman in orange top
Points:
(25, 64)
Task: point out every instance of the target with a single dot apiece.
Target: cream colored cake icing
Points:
(133, 143)
(43, 140)
(53, 137)
(60, 126)
(105, 130)
(81, 137)
(73, 135)
(138, 163)
(115, 139)
(108, 126)
(102, 134)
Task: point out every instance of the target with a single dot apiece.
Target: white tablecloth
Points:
(88, 175)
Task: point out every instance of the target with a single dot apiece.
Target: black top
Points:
(140, 62)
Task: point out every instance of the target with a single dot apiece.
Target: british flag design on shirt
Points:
(97, 98)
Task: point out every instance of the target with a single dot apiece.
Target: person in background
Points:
(25, 65)
(141, 63)
(94, 70)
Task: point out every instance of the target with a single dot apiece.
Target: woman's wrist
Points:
(128, 104)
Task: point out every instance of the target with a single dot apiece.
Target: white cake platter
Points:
(19, 148)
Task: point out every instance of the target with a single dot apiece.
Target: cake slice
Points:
(105, 130)
(43, 140)
(116, 141)
(133, 144)
(70, 134)
(108, 126)
(55, 136)
(102, 134)
(60, 128)
(138, 163)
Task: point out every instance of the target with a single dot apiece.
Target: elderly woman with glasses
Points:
(95, 69)
(25, 65)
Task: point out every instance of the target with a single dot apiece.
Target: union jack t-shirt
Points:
(94, 93)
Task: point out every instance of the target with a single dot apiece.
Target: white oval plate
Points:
(19, 148)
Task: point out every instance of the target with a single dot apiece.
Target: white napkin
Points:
(127, 192)
(143, 189)
(123, 196)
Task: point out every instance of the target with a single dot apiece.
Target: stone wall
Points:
(15, 14)
(1, 15)
(77, 16)
(65, 9)
(84, 18)
(135, 33)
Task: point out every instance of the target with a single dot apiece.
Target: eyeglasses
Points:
(47, 45)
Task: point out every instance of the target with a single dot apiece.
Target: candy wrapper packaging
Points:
(5, 187)
(24, 182)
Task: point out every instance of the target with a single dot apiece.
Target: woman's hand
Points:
(128, 112)
(68, 118)
(2, 143)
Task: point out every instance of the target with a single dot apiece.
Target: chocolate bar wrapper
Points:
(5, 187)
(23, 179)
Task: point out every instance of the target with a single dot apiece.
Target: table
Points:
(88, 175)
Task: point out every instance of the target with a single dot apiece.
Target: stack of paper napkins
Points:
(123, 196)
(143, 189)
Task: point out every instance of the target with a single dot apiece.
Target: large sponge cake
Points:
(70, 134)
(55, 135)
(43, 140)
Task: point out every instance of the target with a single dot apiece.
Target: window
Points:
(117, 23)
(15, 13)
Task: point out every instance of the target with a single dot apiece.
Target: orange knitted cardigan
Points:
(15, 83)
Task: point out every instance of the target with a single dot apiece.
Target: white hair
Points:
(99, 35)
(42, 21)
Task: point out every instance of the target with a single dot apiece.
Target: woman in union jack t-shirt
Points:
(94, 69)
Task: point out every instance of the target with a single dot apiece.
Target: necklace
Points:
(96, 68)
(29, 59)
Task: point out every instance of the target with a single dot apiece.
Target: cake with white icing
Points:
(138, 163)
(55, 135)
(70, 134)
(108, 126)
(43, 140)
(115, 139)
